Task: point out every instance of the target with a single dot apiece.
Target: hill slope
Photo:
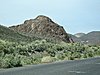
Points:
(10, 35)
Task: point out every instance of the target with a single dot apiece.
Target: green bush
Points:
(10, 61)
(47, 59)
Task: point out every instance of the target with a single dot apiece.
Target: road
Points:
(76, 67)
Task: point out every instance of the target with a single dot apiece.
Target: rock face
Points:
(44, 27)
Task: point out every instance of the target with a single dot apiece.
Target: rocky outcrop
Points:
(44, 27)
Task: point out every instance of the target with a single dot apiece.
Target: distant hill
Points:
(79, 34)
(89, 38)
(42, 27)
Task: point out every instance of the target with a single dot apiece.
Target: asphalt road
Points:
(77, 67)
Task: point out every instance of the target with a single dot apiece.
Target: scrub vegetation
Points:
(15, 54)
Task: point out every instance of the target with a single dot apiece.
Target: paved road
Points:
(77, 67)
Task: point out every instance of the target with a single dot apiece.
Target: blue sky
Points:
(74, 15)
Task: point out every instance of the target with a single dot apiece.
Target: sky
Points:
(74, 15)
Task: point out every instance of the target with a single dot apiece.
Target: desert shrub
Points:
(60, 56)
(47, 59)
(36, 58)
(9, 61)
(25, 60)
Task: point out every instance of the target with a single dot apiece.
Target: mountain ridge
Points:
(92, 37)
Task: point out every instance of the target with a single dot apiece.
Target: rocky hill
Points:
(43, 27)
